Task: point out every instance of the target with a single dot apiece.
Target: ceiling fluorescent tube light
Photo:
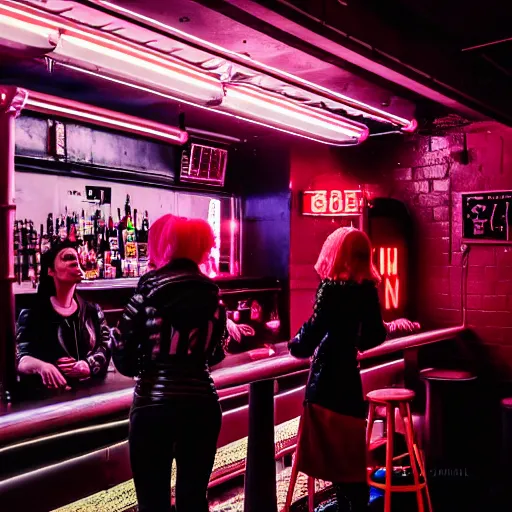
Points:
(406, 125)
(135, 65)
(289, 115)
(15, 33)
(195, 105)
(89, 48)
(62, 107)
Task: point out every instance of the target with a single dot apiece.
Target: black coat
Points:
(171, 331)
(44, 334)
(346, 319)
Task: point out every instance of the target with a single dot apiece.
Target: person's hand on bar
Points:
(74, 369)
(51, 376)
(402, 326)
(236, 331)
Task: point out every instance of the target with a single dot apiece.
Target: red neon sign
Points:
(334, 203)
(388, 264)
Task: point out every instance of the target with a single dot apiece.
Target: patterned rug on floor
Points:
(229, 458)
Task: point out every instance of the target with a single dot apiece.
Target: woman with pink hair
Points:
(346, 319)
(171, 332)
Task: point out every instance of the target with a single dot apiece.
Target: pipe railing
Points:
(33, 421)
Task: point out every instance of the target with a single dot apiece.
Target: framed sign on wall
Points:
(487, 217)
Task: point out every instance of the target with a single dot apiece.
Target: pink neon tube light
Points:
(79, 111)
(244, 117)
(109, 56)
(405, 124)
(293, 116)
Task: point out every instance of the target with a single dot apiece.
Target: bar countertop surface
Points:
(28, 419)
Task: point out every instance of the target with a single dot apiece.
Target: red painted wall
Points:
(428, 174)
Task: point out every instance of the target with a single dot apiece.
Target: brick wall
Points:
(428, 174)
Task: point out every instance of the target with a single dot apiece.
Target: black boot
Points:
(352, 497)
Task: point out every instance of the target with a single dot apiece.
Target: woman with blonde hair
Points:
(171, 332)
(346, 319)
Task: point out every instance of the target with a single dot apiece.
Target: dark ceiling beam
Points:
(362, 28)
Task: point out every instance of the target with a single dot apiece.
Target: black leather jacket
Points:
(346, 319)
(44, 334)
(171, 332)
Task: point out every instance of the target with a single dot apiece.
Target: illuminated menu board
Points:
(487, 217)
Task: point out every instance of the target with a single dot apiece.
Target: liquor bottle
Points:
(49, 225)
(112, 236)
(24, 251)
(120, 233)
(103, 250)
(39, 252)
(130, 248)
(127, 207)
(142, 244)
(145, 226)
(17, 250)
(113, 258)
(73, 235)
(63, 229)
(31, 253)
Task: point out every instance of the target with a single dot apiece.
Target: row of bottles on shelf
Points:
(107, 250)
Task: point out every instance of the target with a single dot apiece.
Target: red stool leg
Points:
(291, 487)
(415, 464)
(371, 421)
(390, 425)
(311, 494)
(421, 462)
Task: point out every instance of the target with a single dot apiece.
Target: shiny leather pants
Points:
(184, 430)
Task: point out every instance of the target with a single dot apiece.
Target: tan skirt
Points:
(331, 446)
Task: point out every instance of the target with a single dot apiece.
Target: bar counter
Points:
(30, 419)
(48, 443)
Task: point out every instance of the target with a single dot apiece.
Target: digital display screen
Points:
(205, 164)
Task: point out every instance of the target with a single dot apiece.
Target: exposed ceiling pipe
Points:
(485, 45)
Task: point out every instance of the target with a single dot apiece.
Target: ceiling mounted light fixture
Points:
(17, 34)
(90, 114)
(292, 116)
(242, 117)
(135, 65)
(406, 125)
(114, 58)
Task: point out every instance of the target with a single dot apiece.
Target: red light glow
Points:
(388, 268)
(333, 203)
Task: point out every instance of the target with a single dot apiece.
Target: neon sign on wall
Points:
(333, 203)
(388, 265)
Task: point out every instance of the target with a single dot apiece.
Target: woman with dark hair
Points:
(170, 334)
(346, 319)
(63, 339)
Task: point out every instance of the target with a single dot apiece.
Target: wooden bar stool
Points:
(392, 399)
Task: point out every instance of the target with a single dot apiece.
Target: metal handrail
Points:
(37, 421)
